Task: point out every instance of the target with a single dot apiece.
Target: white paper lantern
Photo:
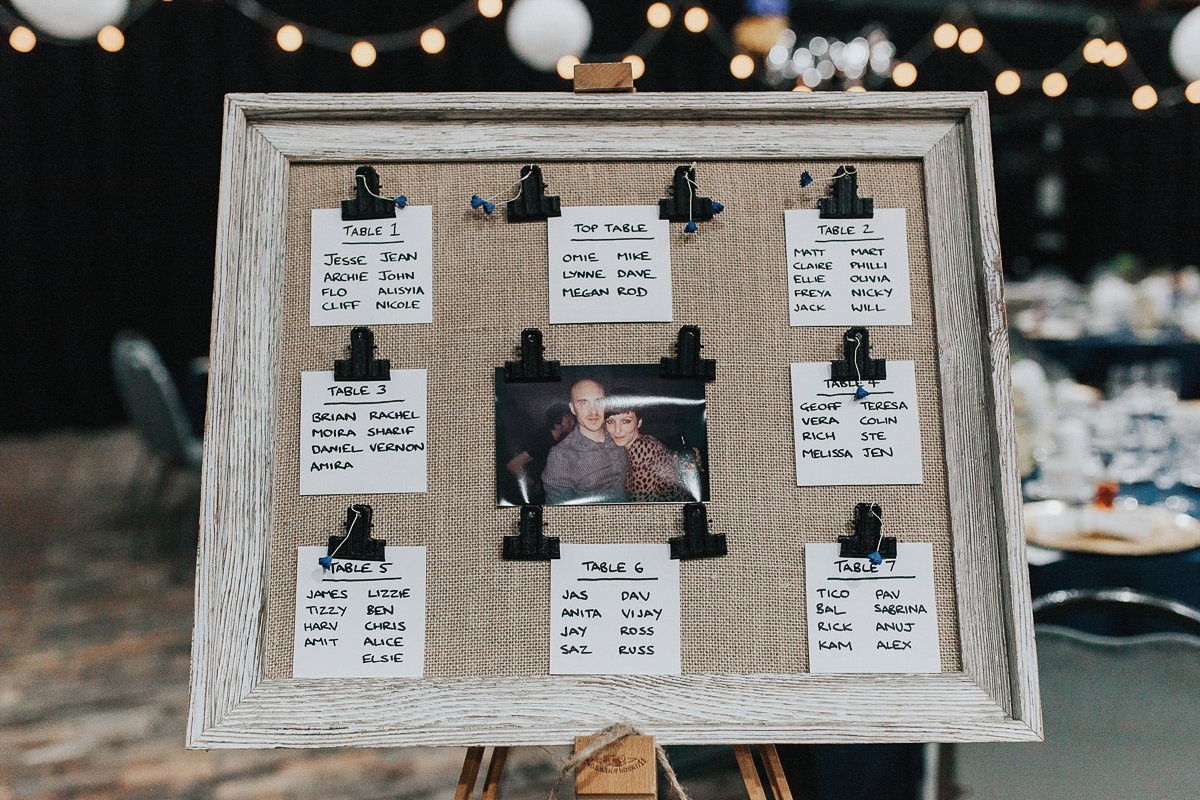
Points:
(1185, 46)
(71, 19)
(540, 32)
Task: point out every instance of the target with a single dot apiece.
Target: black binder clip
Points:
(858, 366)
(844, 202)
(531, 203)
(367, 202)
(530, 544)
(362, 364)
(532, 368)
(357, 544)
(868, 540)
(685, 203)
(687, 362)
(696, 541)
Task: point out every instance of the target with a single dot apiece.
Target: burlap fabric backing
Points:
(742, 614)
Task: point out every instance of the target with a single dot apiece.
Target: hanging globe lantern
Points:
(540, 32)
(73, 20)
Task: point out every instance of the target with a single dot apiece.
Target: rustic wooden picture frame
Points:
(994, 698)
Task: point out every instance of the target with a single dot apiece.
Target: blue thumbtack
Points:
(805, 179)
(875, 557)
(479, 202)
(401, 201)
(718, 207)
(690, 227)
(326, 562)
(860, 393)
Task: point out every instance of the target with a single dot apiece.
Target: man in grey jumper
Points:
(586, 466)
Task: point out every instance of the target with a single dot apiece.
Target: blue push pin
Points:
(860, 393)
(401, 201)
(718, 207)
(690, 227)
(805, 179)
(875, 558)
(326, 562)
(479, 202)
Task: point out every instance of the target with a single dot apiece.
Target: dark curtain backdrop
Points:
(109, 162)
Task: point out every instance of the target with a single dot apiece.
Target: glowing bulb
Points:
(1145, 97)
(1008, 82)
(659, 15)
(970, 40)
(945, 36)
(363, 54)
(1115, 54)
(491, 8)
(742, 66)
(1093, 51)
(800, 87)
(1192, 92)
(111, 38)
(566, 67)
(289, 38)
(23, 40)
(904, 74)
(637, 64)
(696, 19)
(856, 89)
(1054, 84)
(432, 40)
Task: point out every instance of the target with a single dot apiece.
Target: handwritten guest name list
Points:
(614, 610)
(847, 271)
(362, 437)
(844, 441)
(376, 271)
(609, 264)
(865, 617)
(360, 619)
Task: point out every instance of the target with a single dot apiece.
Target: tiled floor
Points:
(95, 627)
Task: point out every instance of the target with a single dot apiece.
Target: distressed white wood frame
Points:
(994, 698)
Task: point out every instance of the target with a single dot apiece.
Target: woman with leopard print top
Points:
(653, 474)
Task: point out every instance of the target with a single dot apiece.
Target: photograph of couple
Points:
(605, 434)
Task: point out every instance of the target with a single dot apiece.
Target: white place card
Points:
(369, 272)
(865, 617)
(360, 619)
(362, 437)
(614, 610)
(609, 264)
(847, 271)
(843, 441)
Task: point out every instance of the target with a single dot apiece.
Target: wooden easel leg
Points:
(745, 759)
(771, 765)
(491, 784)
(470, 771)
(774, 769)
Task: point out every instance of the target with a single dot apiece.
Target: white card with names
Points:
(614, 610)
(844, 441)
(847, 271)
(371, 272)
(362, 437)
(609, 264)
(865, 617)
(360, 619)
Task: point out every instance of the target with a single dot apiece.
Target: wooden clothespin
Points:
(615, 76)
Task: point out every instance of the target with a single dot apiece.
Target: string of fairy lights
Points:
(767, 62)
